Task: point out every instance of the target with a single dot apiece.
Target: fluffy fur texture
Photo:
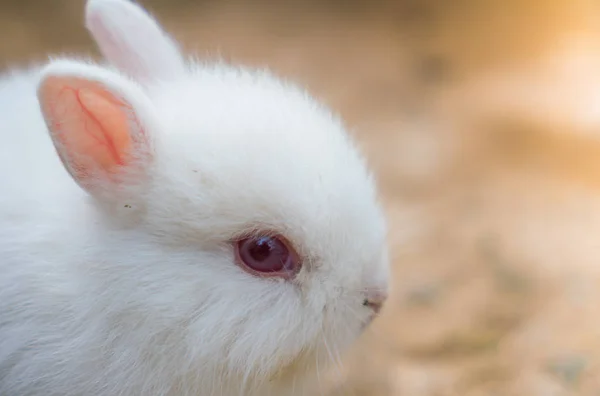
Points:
(128, 285)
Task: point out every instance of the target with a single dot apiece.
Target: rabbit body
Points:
(129, 285)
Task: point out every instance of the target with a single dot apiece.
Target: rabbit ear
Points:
(132, 40)
(99, 124)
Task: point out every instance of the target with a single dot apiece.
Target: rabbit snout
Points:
(375, 299)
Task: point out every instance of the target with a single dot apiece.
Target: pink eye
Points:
(267, 256)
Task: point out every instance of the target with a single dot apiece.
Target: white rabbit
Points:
(171, 228)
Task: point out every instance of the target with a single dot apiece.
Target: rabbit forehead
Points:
(249, 150)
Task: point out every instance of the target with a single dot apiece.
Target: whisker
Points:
(338, 364)
(370, 289)
(318, 373)
(294, 384)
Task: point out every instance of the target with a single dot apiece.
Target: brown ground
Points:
(481, 119)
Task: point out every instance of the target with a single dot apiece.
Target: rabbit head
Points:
(236, 237)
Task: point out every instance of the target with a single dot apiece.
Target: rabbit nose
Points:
(375, 300)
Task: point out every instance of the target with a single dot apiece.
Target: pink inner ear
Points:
(91, 127)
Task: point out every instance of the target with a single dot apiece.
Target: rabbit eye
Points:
(267, 256)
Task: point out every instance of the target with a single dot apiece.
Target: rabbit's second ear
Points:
(132, 40)
(98, 123)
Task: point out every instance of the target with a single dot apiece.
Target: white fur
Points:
(100, 299)
(132, 40)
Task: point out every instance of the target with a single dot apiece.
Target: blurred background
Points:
(482, 122)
